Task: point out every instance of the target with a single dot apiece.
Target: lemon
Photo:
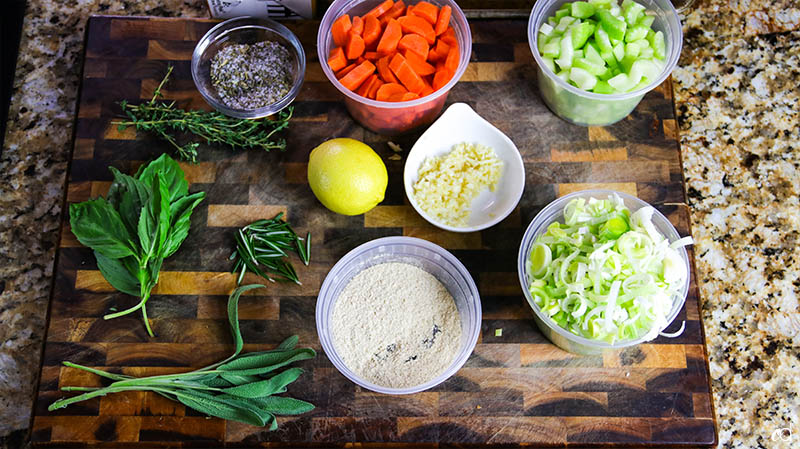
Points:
(347, 176)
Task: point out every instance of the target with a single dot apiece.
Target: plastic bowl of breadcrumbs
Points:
(248, 68)
(398, 315)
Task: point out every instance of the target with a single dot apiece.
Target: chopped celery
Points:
(601, 37)
(564, 23)
(582, 10)
(552, 48)
(619, 51)
(659, 47)
(621, 82)
(567, 51)
(561, 13)
(646, 20)
(613, 26)
(600, 3)
(565, 7)
(582, 78)
(646, 52)
(564, 75)
(609, 58)
(632, 11)
(591, 67)
(636, 32)
(591, 53)
(548, 62)
(616, 11)
(541, 41)
(545, 29)
(581, 33)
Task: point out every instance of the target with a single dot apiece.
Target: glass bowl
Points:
(554, 211)
(588, 108)
(383, 117)
(245, 30)
(422, 254)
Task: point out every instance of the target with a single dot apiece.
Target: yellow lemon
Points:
(347, 176)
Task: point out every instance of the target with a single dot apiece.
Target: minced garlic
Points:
(448, 184)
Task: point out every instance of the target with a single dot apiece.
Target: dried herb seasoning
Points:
(252, 76)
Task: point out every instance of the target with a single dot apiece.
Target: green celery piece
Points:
(589, 66)
(561, 13)
(609, 59)
(619, 51)
(552, 49)
(635, 33)
(646, 20)
(632, 12)
(602, 39)
(563, 24)
(613, 26)
(552, 21)
(564, 60)
(602, 87)
(644, 82)
(581, 32)
(592, 53)
(645, 68)
(541, 41)
(616, 11)
(582, 10)
(546, 29)
(632, 49)
(658, 45)
(548, 62)
(564, 7)
(646, 53)
(564, 75)
(607, 75)
(582, 78)
(600, 3)
(621, 82)
(627, 62)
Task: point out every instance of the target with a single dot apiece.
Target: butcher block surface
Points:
(516, 389)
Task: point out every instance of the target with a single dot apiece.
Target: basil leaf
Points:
(180, 217)
(127, 194)
(161, 210)
(97, 225)
(118, 274)
(173, 175)
(154, 220)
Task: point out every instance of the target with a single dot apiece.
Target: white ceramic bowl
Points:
(458, 124)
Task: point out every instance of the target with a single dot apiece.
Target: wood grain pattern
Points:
(515, 389)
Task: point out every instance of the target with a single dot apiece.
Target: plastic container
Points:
(588, 108)
(245, 30)
(423, 254)
(392, 118)
(554, 211)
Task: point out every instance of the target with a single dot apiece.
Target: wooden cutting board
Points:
(515, 389)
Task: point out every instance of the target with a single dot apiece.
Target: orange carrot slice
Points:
(407, 96)
(372, 30)
(449, 36)
(415, 43)
(373, 90)
(418, 64)
(390, 38)
(385, 72)
(357, 25)
(358, 75)
(372, 55)
(427, 11)
(363, 89)
(403, 71)
(443, 20)
(427, 90)
(452, 60)
(418, 25)
(340, 29)
(380, 9)
(355, 46)
(387, 90)
(341, 73)
(397, 10)
(441, 78)
(439, 51)
(337, 61)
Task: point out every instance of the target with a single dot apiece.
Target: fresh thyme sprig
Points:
(164, 118)
(264, 244)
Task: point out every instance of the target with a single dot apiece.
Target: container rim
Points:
(536, 17)
(464, 352)
(553, 209)
(336, 9)
(233, 25)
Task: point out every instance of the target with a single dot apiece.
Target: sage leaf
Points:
(281, 405)
(234, 379)
(265, 387)
(221, 409)
(288, 344)
(98, 225)
(118, 274)
(268, 360)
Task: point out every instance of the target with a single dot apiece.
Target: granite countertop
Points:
(738, 110)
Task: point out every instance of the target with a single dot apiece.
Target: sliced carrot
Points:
(397, 10)
(452, 60)
(373, 90)
(415, 43)
(449, 36)
(372, 30)
(441, 78)
(409, 10)
(341, 73)
(385, 72)
(337, 61)
(357, 25)
(340, 29)
(387, 90)
(363, 89)
(418, 25)
(372, 55)
(407, 96)
(403, 71)
(418, 64)
(427, 11)
(439, 51)
(380, 9)
(427, 90)
(390, 38)
(358, 75)
(355, 46)
(443, 20)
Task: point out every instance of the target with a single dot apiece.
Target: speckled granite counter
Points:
(737, 102)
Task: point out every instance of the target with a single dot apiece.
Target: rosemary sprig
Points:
(261, 248)
(164, 118)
